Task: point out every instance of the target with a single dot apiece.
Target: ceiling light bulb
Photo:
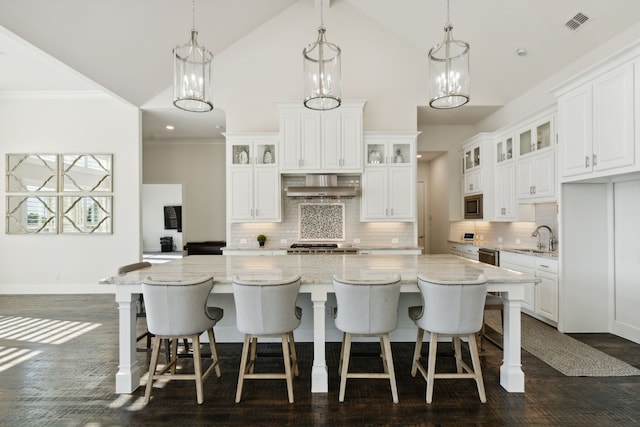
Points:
(169, 127)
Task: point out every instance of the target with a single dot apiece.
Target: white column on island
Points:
(319, 373)
(511, 375)
(128, 375)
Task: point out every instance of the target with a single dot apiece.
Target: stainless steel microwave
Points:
(473, 206)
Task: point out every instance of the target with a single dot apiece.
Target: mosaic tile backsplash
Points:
(321, 221)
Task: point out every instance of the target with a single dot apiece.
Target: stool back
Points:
(367, 306)
(266, 306)
(452, 307)
(177, 308)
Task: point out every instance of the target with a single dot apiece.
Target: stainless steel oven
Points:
(489, 256)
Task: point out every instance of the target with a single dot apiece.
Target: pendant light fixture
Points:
(449, 71)
(192, 73)
(322, 71)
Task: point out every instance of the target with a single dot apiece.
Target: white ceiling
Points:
(124, 46)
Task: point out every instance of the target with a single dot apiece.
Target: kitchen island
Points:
(316, 272)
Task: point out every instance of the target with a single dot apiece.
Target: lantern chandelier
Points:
(449, 71)
(322, 72)
(192, 73)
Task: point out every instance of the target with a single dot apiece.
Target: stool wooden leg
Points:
(152, 368)
(197, 366)
(383, 355)
(243, 365)
(341, 353)
(254, 352)
(287, 365)
(389, 367)
(294, 355)
(477, 370)
(431, 365)
(458, 353)
(214, 352)
(345, 365)
(416, 352)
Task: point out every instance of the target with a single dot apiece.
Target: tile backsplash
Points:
(288, 231)
(510, 233)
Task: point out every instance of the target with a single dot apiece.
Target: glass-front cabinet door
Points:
(537, 137)
(472, 157)
(253, 153)
(400, 153)
(504, 148)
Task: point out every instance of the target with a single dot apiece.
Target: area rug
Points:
(563, 353)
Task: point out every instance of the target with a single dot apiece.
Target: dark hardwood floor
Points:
(50, 381)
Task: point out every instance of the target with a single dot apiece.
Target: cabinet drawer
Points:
(546, 264)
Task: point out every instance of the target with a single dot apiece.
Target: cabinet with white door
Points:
(389, 177)
(546, 270)
(535, 144)
(314, 141)
(253, 178)
(536, 178)
(597, 118)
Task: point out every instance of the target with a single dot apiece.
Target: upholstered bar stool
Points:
(178, 309)
(453, 309)
(267, 308)
(367, 308)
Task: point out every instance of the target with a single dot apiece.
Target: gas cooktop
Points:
(314, 245)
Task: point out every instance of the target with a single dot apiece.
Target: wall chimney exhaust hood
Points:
(322, 186)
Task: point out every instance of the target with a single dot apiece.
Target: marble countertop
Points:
(319, 269)
(508, 248)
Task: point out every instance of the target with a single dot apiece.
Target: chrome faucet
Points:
(552, 240)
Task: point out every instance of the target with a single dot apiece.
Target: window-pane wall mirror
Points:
(59, 193)
(32, 172)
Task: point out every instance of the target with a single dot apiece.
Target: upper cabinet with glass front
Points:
(536, 137)
(504, 148)
(472, 157)
(390, 152)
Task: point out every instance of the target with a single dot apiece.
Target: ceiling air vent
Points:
(577, 21)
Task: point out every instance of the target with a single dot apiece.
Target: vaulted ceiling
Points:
(125, 45)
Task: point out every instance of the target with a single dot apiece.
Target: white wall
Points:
(75, 123)
(199, 166)
(154, 198)
(265, 67)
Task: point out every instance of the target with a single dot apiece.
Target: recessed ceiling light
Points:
(169, 127)
(521, 52)
(419, 156)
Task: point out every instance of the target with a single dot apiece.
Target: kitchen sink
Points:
(537, 252)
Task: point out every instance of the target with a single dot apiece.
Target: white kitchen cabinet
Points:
(536, 136)
(505, 149)
(253, 178)
(315, 141)
(547, 290)
(342, 141)
(596, 123)
(300, 137)
(536, 177)
(472, 182)
(505, 192)
(389, 178)
(523, 264)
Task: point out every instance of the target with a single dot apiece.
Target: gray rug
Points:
(563, 353)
